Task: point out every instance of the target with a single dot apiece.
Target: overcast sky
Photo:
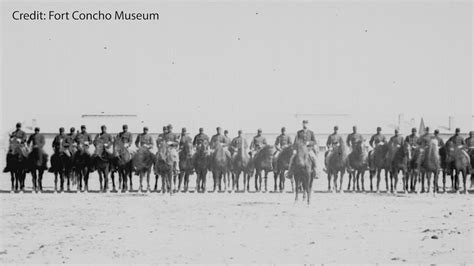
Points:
(204, 62)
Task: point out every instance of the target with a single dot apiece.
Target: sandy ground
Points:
(232, 228)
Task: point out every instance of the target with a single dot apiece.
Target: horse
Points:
(358, 162)
(336, 162)
(164, 166)
(81, 167)
(142, 161)
(458, 160)
(17, 158)
(430, 163)
(443, 165)
(122, 162)
(398, 157)
(301, 168)
(219, 165)
(58, 167)
(102, 159)
(263, 161)
(201, 165)
(241, 164)
(378, 162)
(186, 166)
(37, 160)
(282, 163)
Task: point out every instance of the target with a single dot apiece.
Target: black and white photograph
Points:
(236, 132)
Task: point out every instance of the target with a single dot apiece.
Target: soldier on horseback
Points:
(185, 138)
(161, 136)
(237, 142)
(305, 136)
(58, 141)
(69, 142)
(396, 139)
(104, 138)
(425, 139)
(354, 137)
(125, 137)
(144, 140)
(377, 138)
(282, 141)
(201, 138)
(227, 138)
(438, 138)
(257, 143)
(37, 141)
(334, 139)
(83, 139)
(172, 140)
(456, 139)
(19, 136)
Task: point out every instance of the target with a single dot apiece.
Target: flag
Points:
(422, 126)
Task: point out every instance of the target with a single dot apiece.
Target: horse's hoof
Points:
(378, 192)
(11, 191)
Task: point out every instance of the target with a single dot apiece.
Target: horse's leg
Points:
(341, 181)
(186, 181)
(156, 182)
(163, 184)
(349, 183)
(55, 181)
(308, 187)
(106, 179)
(395, 190)
(444, 180)
(362, 173)
(386, 180)
(464, 179)
(335, 176)
(329, 181)
(378, 179)
(33, 180)
(180, 179)
(266, 180)
(40, 179)
(296, 188)
(12, 179)
(371, 175)
(275, 178)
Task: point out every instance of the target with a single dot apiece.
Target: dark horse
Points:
(142, 161)
(301, 168)
(102, 159)
(336, 162)
(164, 165)
(81, 164)
(398, 157)
(186, 166)
(358, 163)
(17, 164)
(281, 164)
(219, 165)
(378, 162)
(37, 160)
(241, 164)
(58, 167)
(122, 163)
(457, 160)
(201, 166)
(263, 161)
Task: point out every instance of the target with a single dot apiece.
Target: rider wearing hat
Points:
(412, 139)
(161, 136)
(18, 134)
(354, 137)
(282, 141)
(201, 138)
(396, 139)
(172, 140)
(83, 137)
(306, 136)
(58, 141)
(69, 142)
(470, 141)
(457, 139)
(425, 139)
(258, 142)
(438, 138)
(104, 138)
(334, 139)
(185, 138)
(144, 140)
(125, 137)
(236, 143)
(37, 141)
(219, 138)
(377, 138)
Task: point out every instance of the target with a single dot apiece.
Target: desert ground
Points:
(233, 227)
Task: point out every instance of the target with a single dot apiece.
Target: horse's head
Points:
(188, 149)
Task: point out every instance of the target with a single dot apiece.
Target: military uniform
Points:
(354, 138)
(125, 138)
(396, 140)
(376, 139)
(104, 138)
(258, 143)
(217, 138)
(81, 138)
(424, 140)
(184, 139)
(237, 142)
(470, 143)
(282, 141)
(160, 138)
(171, 137)
(305, 136)
(457, 140)
(18, 134)
(58, 142)
(334, 139)
(200, 139)
(412, 140)
(68, 144)
(144, 140)
(37, 139)
(227, 140)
